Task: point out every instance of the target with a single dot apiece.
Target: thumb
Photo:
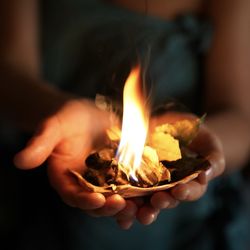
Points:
(38, 148)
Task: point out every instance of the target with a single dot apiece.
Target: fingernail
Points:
(183, 197)
(174, 204)
(181, 194)
(152, 218)
(155, 218)
(164, 204)
(125, 225)
(209, 174)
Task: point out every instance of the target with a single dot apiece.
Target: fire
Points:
(134, 125)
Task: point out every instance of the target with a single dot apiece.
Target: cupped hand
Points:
(65, 139)
(206, 144)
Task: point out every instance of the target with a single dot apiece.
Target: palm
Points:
(65, 139)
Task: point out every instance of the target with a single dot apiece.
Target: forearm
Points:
(233, 130)
(227, 79)
(25, 99)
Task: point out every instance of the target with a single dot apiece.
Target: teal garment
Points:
(219, 220)
(88, 48)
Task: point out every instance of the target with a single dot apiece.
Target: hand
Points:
(206, 144)
(65, 139)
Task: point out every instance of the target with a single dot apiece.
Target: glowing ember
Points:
(134, 125)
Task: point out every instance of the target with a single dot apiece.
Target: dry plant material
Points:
(166, 162)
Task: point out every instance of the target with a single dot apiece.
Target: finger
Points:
(75, 197)
(208, 145)
(188, 192)
(139, 201)
(204, 176)
(125, 224)
(85, 201)
(82, 200)
(217, 166)
(112, 206)
(206, 142)
(39, 147)
(66, 185)
(126, 217)
(147, 214)
(129, 212)
(162, 200)
(217, 162)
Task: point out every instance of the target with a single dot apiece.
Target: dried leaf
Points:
(102, 103)
(184, 130)
(162, 163)
(127, 190)
(101, 159)
(151, 155)
(185, 167)
(114, 133)
(148, 175)
(166, 146)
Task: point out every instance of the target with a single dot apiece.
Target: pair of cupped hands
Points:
(67, 137)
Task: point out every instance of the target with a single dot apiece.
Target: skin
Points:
(65, 128)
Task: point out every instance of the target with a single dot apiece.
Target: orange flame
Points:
(134, 125)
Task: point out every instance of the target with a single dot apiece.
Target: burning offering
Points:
(137, 161)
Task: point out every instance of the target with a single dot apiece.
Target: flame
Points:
(134, 125)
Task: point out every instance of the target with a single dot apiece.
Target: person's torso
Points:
(90, 46)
